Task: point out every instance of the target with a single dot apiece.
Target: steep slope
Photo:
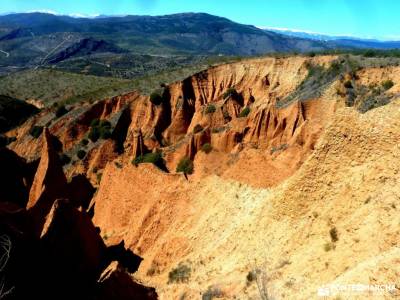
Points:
(84, 47)
(14, 112)
(187, 32)
(223, 230)
(297, 187)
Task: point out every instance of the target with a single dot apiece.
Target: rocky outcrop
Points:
(68, 258)
(115, 283)
(80, 191)
(138, 147)
(48, 185)
(15, 178)
(73, 245)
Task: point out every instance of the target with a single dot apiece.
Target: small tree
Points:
(94, 134)
(105, 133)
(185, 166)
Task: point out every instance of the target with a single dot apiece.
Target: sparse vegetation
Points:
(387, 84)
(231, 92)
(180, 274)
(81, 154)
(210, 109)
(185, 166)
(198, 128)
(156, 98)
(94, 134)
(329, 246)
(212, 293)
(36, 131)
(334, 234)
(251, 277)
(261, 279)
(155, 158)
(245, 112)
(153, 270)
(99, 130)
(206, 148)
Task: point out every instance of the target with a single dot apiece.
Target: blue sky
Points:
(363, 18)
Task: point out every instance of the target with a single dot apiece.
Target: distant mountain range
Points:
(339, 41)
(179, 33)
(33, 39)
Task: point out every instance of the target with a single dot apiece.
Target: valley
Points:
(252, 203)
(188, 156)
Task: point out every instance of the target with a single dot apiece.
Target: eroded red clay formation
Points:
(140, 127)
(255, 190)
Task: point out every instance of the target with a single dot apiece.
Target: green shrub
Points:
(245, 112)
(61, 110)
(36, 131)
(84, 142)
(185, 166)
(154, 158)
(207, 148)
(105, 133)
(197, 128)
(334, 234)
(81, 154)
(251, 276)
(99, 129)
(231, 92)
(387, 84)
(94, 134)
(180, 274)
(156, 98)
(210, 109)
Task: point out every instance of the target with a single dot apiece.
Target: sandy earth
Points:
(223, 229)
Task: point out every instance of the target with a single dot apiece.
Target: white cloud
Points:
(73, 15)
(80, 15)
